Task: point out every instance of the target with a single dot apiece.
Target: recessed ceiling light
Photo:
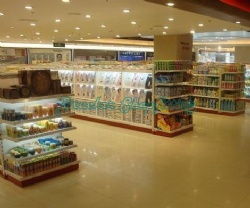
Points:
(81, 38)
(28, 7)
(12, 27)
(77, 28)
(7, 36)
(56, 30)
(40, 41)
(69, 35)
(126, 10)
(32, 24)
(88, 33)
(57, 20)
(37, 33)
(88, 16)
(117, 36)
(171, 19)
(164, 33)
(170, 4)
(165, 27)
(98, 37)
(1, 14)
(38, 38)
(65, 1)
(139, 34)
(225, 30)
(238, 22)
(192, 31)
(133, 23)
(21, 35)
(66, 39)
(201, 25)
(103, 26)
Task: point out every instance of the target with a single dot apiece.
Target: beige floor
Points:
(206, 168)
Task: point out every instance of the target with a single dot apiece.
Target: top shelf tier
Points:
(24, 100)
(168, 71)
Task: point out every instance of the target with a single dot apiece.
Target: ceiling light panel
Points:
(28, 7)
(126, 11)
(88, 16)
(170, 4)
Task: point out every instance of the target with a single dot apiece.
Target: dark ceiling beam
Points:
(212, 8)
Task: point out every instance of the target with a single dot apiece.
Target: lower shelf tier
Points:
(206, 110)
(117, 123)
(176, 132)
(25, 181)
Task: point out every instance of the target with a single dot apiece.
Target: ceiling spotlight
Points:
(164, 33)
(170, 4)
(7, 36)
(171, 19)
(66, 39)
(40, 41)
(21, 35)
(201, 25)
(37, 33)
(192, 31)
(133, 23)
(77, 28)
(165, 27)
(12, 27)
(238, 22)
(87, 16)
(139, 34)
(56, 30)
(88, 33)
(81, 38)
(33, 24)
(65, 1)
(117, 36)
(98, 37)
(1, 14)
(57, 20)
(103, 26)
(225, 30)
(126, 10)
(29, 7)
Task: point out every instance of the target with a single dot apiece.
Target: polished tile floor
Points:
(206, 168)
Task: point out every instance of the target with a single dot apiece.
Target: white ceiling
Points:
(150, 19)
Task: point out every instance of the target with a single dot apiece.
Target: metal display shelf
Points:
(202, 96)
(170, 84)
(36, 119)
(207, 75)
(25, 100)
(39, 135)
(210, 86)
(41, 154)
(162, 71)
(174, 97)
(22, 178)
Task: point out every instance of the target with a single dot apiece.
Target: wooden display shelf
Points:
(174, 133)
(39, 135)
(36, 119)
(232, 72)
(41, 154)
(44, 175)
(116, 123)
(174, 97)
(175, 112)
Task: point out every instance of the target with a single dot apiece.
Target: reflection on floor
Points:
(206, 168)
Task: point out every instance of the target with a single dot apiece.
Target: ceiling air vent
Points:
(74, 13)
(28, 20)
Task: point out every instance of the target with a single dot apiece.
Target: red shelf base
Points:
(165, 134)
(231, 114)
(206, 111)
(42, 177)
(112, 123)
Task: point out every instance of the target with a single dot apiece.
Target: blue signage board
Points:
(131, 56)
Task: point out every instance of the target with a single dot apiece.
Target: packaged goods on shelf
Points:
(171, 91)
(210, 92)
